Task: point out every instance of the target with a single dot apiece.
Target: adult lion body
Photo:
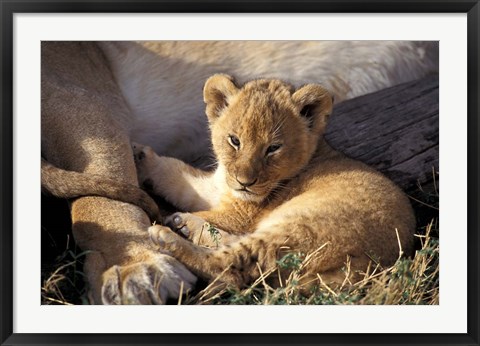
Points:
(96, 98)
(84, 129)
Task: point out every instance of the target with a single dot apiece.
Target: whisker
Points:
(278, 126)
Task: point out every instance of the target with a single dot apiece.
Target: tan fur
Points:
(298, 198)
(69, 184)
(84, 121)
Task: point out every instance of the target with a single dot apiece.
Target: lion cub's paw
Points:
(162, 236)
(150, 282)
(140, 152)
(143, 156)
(188, 225)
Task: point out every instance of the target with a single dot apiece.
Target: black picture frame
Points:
(9, 8)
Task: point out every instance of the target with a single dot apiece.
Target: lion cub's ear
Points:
(217, 92)
(315, 103)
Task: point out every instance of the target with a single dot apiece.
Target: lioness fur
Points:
(84, 129)
(69, 184)
(278, 188)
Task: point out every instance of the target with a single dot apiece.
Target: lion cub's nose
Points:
(246, 182)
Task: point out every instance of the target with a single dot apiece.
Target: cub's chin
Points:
(247, 196)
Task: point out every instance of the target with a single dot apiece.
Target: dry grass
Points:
(408, 281)
(64, 283)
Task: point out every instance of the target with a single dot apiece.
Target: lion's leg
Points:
(184, 186)
(84, 121)
(122, 266)
(198, 230)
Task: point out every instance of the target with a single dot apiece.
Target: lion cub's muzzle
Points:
(245, 182)
(252, 190)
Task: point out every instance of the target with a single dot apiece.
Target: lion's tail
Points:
(69, 184)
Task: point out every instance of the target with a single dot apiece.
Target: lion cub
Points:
(278, 188)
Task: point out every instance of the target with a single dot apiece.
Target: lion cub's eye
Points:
(273, 149)
(234, 141)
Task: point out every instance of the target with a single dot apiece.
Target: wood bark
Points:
(394, 130)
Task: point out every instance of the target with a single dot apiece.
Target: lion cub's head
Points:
(264, 132)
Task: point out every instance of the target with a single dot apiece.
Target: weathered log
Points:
(394, 130)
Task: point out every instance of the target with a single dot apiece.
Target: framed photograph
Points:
(166, 129)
